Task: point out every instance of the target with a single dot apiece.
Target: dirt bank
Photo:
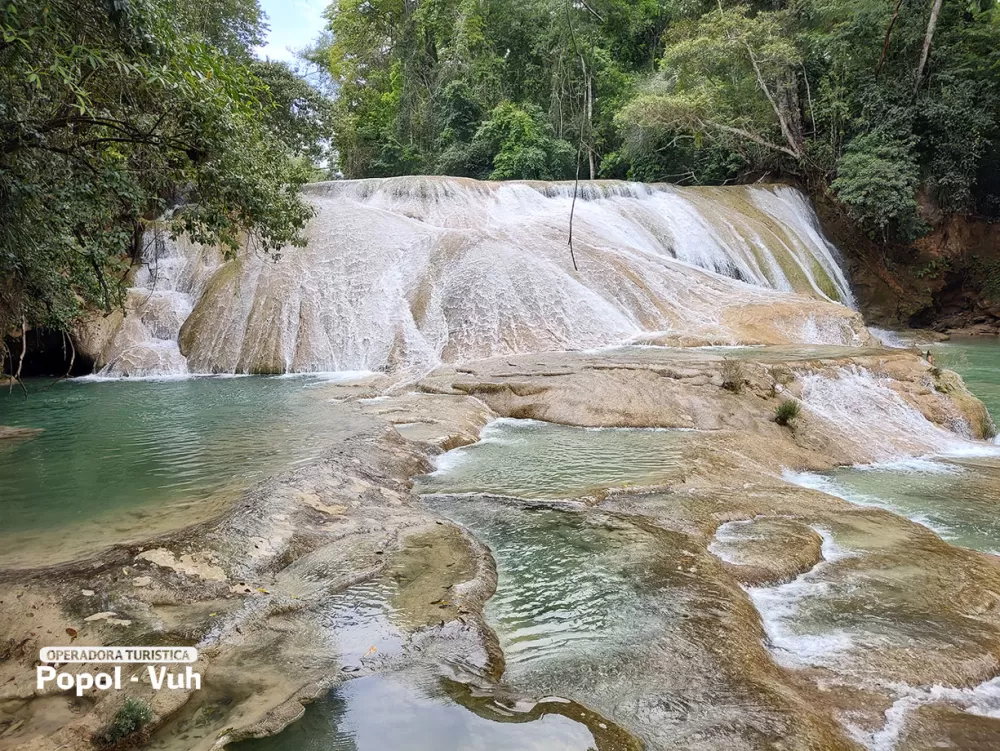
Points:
(947, 280)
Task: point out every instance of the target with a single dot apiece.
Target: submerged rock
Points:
(8, 433)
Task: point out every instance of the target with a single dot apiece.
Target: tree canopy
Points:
(115, 113)
(881, 102)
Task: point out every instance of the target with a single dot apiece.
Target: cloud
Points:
(294, 25)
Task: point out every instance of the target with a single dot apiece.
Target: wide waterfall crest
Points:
(403, 274)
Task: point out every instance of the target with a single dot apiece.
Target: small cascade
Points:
(165, 288)
(863, 410)
(404, 274)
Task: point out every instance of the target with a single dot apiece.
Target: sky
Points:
(294, 24)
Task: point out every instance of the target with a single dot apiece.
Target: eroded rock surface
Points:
(270, 590)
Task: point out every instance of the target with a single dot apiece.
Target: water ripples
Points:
(111, 450)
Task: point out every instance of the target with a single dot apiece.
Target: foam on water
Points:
(865, 411)
(922, 465)
(779, 608)
(167, 377)
(982, 700)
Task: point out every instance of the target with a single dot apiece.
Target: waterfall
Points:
(862, 410)
(164, 291)
(407, 273)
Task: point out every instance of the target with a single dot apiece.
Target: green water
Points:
(120, 456)
(617, 616)
(531, 459)
(572, 586)
(977, 360)
(589, 606)
(959, 499)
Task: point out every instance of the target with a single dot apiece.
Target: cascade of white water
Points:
(864, 410)
(406, 273)
(165, 288)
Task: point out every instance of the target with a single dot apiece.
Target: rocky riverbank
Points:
(948, 280)
(262, 589)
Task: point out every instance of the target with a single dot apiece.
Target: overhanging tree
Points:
(114, 112)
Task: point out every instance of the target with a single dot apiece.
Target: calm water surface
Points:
(531, 459)
(977, 360)
(115, 454)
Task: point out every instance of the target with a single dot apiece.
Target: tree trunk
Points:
(928, 39)
(590, 124)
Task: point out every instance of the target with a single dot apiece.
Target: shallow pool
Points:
(119, 455)
(531, 459)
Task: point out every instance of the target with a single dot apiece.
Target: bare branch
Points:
(795, 149)
(760, 141)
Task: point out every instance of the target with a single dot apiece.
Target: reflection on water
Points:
(369, 624)
(381, 713)
(531, 459)
(360, 620)
(123, 454)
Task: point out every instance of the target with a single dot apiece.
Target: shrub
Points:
(734, 375)
(877, 180)
(127, 726)
(787, 411)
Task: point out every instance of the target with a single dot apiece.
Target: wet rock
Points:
(110, 617)
(189, 564)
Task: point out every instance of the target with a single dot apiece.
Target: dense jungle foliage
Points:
(881, 101)
(114, 113)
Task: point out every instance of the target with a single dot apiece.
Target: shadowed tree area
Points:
(114, 113)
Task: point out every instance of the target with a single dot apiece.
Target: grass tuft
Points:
(127, 727)
(734, 375)
(787, 411)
